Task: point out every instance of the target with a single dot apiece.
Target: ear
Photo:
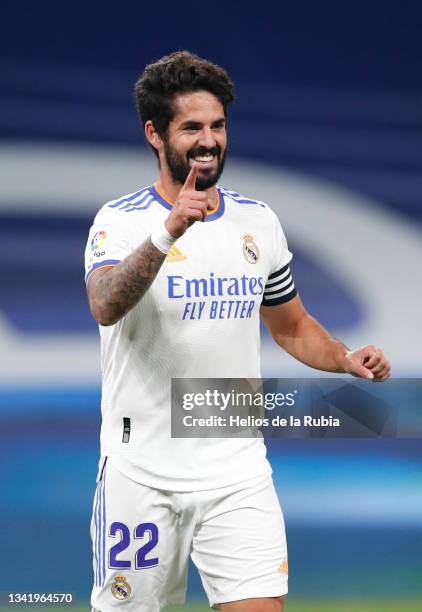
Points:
(152, 135)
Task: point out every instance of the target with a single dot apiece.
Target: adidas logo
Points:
(284, 567)
(174, 254)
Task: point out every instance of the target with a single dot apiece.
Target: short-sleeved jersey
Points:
(199, 319)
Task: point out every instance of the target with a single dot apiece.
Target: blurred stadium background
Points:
(328, 129)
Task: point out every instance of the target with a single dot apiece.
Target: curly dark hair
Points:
(179, 72)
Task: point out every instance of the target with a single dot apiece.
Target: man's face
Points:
(197, 133)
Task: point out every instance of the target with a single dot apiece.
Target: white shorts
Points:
(142, 539)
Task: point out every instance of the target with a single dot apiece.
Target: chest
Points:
(215, 271)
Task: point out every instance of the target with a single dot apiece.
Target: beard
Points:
(180, 167)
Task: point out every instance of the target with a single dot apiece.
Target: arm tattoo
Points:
(114, 291)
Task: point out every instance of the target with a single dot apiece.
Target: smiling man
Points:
(178, 275)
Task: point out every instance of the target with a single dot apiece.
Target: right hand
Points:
(190, 206)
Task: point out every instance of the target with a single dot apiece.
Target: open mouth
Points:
(203, 160)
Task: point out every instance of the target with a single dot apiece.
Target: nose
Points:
(206, 138)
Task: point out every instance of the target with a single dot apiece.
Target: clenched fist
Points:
(367, 362)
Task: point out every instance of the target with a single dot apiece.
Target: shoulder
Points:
(245, 204)
(134, 202)
(241, 200)
(126, 210)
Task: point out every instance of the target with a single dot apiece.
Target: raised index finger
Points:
(191, 178)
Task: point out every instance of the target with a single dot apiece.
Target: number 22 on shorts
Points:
(141, 531)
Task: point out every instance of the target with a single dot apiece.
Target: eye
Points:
(191, 127)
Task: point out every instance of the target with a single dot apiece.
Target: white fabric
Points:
(199, 319)
(235, 535)
(162, 239)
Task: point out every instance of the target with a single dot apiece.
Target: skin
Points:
(293, 328)
(112, 292)
(259, 604)
(199, 122)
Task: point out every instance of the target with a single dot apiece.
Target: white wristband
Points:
(162, 239)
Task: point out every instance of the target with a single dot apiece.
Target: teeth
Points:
(204, 158)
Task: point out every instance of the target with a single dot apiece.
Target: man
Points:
(178, 274)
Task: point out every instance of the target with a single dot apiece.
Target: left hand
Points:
(367, 362)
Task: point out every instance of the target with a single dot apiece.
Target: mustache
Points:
(204, 151)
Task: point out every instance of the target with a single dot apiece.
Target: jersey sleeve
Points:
(279, 287)
(107, 245)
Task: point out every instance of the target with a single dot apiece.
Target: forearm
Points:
(115, 291)
(309, 342)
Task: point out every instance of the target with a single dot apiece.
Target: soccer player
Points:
(178, 275)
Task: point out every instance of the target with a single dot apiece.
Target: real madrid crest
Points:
(120, 588)
(250, 250)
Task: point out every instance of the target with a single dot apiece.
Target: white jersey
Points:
(199, 319)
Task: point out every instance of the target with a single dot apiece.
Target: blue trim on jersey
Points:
(96, 501)
(142, 205)
(218, 213)
(239, 199)
(131, 206)
(100, 526)
(250, 202)
(221, 208)
(140, 200)
(128, 200)
(101, 264)
(103, 538)
(100, 534)
(159, 199)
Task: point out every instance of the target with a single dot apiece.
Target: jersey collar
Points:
(214, 214)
